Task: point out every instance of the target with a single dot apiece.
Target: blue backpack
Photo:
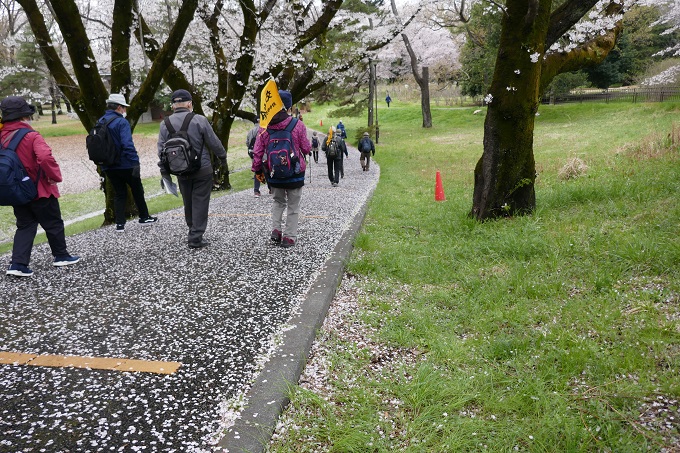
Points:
(283, 160)
(16, 187)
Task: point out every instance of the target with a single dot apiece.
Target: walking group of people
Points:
(287, 191)
(41, 167)
(285, 186)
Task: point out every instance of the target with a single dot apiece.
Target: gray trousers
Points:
(196, 197)
(288, 200)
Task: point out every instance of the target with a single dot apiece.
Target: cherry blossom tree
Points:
(421, 76)
(670, 18)
(81, 80)
(538, 41)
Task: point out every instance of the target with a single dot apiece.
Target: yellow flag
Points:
(270, 103)
(330, 136)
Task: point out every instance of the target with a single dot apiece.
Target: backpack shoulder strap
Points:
(168, 125)
(17, 137)
(187, 120)
(292, 124)
(110, 120)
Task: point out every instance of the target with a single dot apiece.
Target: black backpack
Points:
(100, 147)
(333, 150)
(178, 157)
(16, 187)
(315, 142)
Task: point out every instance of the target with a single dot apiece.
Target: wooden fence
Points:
(639, 94)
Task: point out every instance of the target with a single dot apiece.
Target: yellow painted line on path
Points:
(90, 363)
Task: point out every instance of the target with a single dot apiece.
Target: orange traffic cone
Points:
(439, 189)
(320, 122)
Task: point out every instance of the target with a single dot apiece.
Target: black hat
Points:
(180, 96)
(14, 108)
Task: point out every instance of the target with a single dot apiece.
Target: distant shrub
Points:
(574, 168)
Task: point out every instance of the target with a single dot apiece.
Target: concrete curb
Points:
(268, 396)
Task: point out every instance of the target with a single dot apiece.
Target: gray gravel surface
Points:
(145, 295)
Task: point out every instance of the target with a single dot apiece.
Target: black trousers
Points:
(334, 167)
(46, 213)
(120, 179)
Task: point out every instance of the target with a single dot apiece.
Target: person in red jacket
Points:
(36, 156)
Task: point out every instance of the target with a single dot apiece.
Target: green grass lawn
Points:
(551, 332)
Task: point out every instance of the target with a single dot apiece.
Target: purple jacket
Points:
(300, 141)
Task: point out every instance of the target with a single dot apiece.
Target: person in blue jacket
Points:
(126, 172)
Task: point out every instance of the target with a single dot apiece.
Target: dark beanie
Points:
(286, 98)
(14, 108)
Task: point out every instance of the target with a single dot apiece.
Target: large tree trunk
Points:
(506, 173)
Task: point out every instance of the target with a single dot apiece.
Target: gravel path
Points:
(144, 295)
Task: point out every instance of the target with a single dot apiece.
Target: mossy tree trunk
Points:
(505, 175)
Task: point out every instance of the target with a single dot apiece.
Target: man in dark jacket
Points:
(127, 172)
(366, 148)
(287, 193)
(196, 186)
(36, 157)
(334, 141)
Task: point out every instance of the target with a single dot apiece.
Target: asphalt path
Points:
(222, 312)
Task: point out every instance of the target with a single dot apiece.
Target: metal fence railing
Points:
(639, 94)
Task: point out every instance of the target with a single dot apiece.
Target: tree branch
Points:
(565, 17)
(590, 53)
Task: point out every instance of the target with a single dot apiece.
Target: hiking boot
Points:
(120, 228)
(65, 260)
(287, 242)
(276, 236)
(198, 245)
(19, 270)
(149, 219)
